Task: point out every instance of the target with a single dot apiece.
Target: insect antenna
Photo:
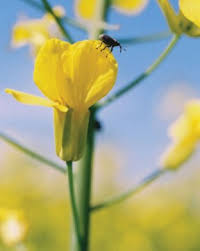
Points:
(122, 48)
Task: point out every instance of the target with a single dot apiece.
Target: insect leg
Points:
(120, 48)
(99, 45)
(105, 47)
(111, 49)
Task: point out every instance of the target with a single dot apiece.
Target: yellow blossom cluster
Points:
(13, 227)
(185, 133)
(88, 8)
(35, 32)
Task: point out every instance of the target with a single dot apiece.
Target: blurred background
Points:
(34, 204)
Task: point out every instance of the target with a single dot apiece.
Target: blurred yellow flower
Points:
(185, 133)
(191, 10)
(88, 8)
(186, 20)
(130, 7)
(13, 227)
(73, 78)
(35, 32)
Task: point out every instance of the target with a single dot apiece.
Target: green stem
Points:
(83, 189)
(84, 173)
(73, 205)
(66, 19)
(74, 23)
(31, 153)
(142, 76)
(58, 20)
(145, 39)
(34, 4)
(120, 198)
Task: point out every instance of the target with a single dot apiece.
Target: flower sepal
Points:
(70, 133)
(178, 23)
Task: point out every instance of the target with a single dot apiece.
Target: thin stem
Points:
(73, 204)
(74, 23)
(145, 39)
(66, 19)
(144, 183)
(49, 9)
(34, 4)
(31, 153)
(84, 173)
(142, 76)
(83, 189)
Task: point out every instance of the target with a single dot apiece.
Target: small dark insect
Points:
(97, 125)
(109, 42)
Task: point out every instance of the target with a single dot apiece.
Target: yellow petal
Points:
(70, 133)
(35, 32)
(28, 31)
(178, 153)
(29, 99)
(180, 128)
(20, 35)
(91, 72)
(48, 72)
(101, 87)
(191, 10)
(188, 123)
(192, 110)
(130, 6)
(185, 133)
(86, 8)
(75, 75)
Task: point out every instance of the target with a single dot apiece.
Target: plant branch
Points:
(83, 189)
(145, 39)
(144, 183)
(66, 19)
(142, 76)
(34, 4)
(73, 203)
(75, 23)
(31, 153)
(49, 9)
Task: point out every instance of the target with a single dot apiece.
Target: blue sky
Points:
(136, 122)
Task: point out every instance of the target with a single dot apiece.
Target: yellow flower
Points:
(87, 8)
(13, 227)
(185, 133)
(130, 7)
(35, 32)
(191, 10)
(179, 23)
(73, 78)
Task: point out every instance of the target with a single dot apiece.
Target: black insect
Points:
(98, 125)
(109, 42)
